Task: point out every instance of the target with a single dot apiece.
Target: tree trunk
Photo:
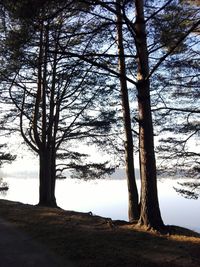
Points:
(150, 212)
(133, 207)
(53, 179)
(46, 149)
(47, 180)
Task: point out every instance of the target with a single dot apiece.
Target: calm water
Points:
(108, 198)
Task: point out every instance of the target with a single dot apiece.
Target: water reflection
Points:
(108, 198)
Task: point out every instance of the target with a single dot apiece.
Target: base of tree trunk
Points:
(51, 204)
(160, 228)
(134, 214)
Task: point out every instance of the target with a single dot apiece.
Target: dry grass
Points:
(94, 241)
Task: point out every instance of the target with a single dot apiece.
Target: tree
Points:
(133, 210)
(54, 94)
(150, 213)
(177, 102)
(5, 157)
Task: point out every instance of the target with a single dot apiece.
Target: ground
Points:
(86, 240)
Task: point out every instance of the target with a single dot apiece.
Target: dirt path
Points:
(19, 249)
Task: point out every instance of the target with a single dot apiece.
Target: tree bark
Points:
(47, 179)
(150, 215)
(133, 207)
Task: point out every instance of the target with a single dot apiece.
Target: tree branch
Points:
(94, 63)
(172, 49)
(178, 109)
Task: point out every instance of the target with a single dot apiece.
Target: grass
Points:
(95, 241)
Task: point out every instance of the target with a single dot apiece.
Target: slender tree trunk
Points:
(150, 212)
(53, 179)
(133, 207)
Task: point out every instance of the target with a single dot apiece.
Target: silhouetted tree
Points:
(148, 40)
(133, 210)
(56, 97)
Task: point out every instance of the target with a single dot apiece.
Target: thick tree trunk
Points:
(133, 207)
(150, 212)
(47, 180)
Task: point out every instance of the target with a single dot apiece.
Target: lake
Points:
(108, 198)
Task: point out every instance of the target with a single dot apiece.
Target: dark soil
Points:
(87, 240)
